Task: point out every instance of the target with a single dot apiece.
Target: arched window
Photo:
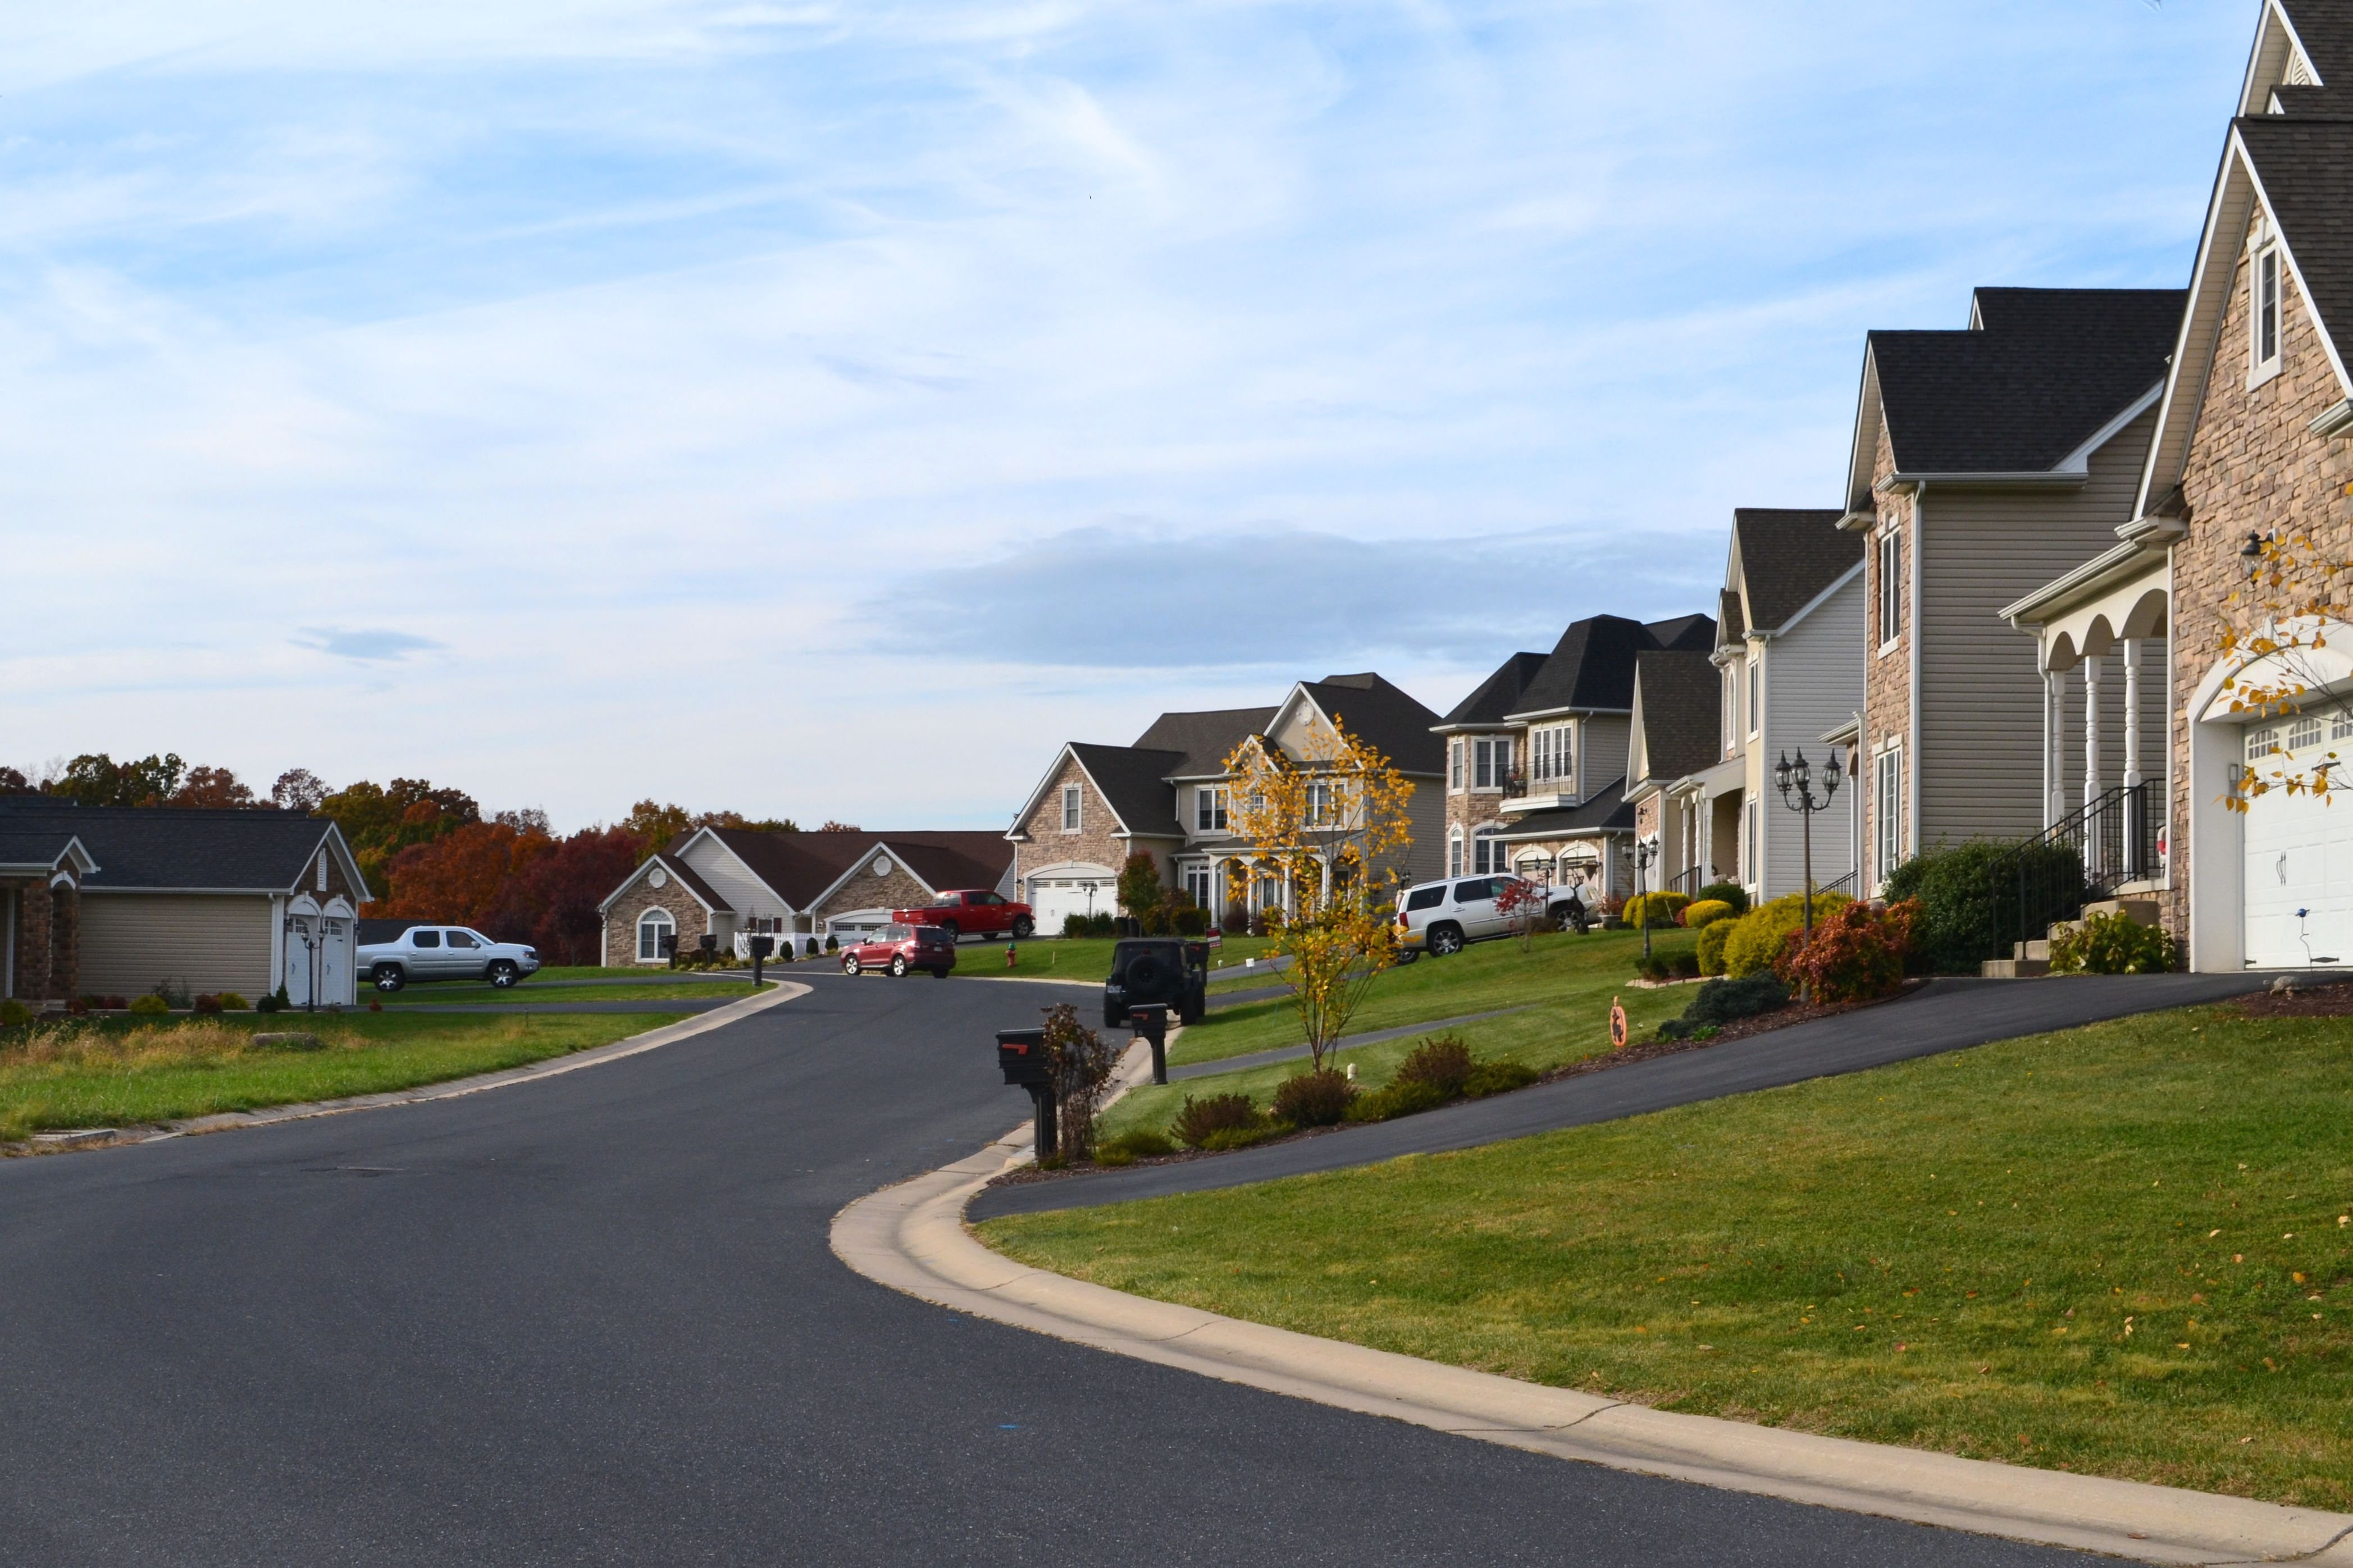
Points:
(653, 926)
(1454, 853)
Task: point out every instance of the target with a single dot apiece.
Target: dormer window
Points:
(2264, 336)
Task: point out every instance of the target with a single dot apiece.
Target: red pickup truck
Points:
(970, 912)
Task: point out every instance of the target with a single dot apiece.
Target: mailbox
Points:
(708, 942)
(762, 946)
(1021, 1055)
(1150, 1022)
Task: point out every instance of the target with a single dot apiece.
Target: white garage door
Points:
(2299, 885)
(1051, 899)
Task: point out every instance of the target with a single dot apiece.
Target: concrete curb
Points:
(913, 1238)
(629, 1045)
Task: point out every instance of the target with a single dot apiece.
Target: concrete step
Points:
(2013, 968)
(2142, 911)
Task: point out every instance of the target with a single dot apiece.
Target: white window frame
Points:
(1209, 809)
(1319, 803)
(1073, 808)
(1491, 759)
(1890, 567)
(1755, 857)
(655, 920)
(1755, 706)
(1886, 812)
(1454, 853)
(1454, 765)
(2266, 313)
(1731, 711)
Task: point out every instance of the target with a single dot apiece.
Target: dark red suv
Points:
(899, 949)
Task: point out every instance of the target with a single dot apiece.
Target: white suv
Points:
(446, 953)
(1439, 918)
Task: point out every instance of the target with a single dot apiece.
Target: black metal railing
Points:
(2082, 857)
(1843, 884)
(1688, 882)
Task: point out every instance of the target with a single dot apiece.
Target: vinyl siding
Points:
(205, 941)
(1606, 738)
(1425, 860)
(1814, 682)
(1980, 768)
(733, 882)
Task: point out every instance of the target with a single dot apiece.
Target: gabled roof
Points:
(1732, 626)
(1134, 781)
(1497, 695)
(800, 868)
(2300, 45)
(1395, 722)
(2305, 169)
(2038, 373)
(1203, 740)
(168, 848)
(1591, 668)
(1788, 557)
(671, 867)
(42, 849)
(1677, 695)
(1606, 810)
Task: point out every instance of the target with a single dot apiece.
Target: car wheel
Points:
(389, 978)
(956, 932)
(503, 974)
(850, 965)
(1113, 1017)
(899, 967)
(940, 974)
(1024, 928)
(1407, 956)
(1445, 940)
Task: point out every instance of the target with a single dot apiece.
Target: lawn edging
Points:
(912, 1237)
(779, 992)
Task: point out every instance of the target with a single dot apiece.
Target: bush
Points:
(1655, 967)
(148, 1006)
(832, 943)
(1315, 1099)
(231, 1002)
(1658, 910)
(1704, 913)
(1857, 953)
(2111, 944)
(1398, 1100)
(1712, 938)
(1190, 919)
(1730, 893)
(1198, 1120)
(14, 1014)
(1138, 1143)
(1719, 1002)
(1241, 1137)
(1497, 1078)
(276, 1002)
(1966, 892)
(1443, 1061)
(208, 1002)
(1758, 936)
(1074, 924)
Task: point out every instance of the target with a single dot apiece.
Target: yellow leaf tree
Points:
(1333, 824)
(2274, 630)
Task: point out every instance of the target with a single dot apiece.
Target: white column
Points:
(2132, 713)
(2054, 756)
(2092, 663)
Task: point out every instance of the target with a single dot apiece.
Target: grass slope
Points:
(117, 1073)
(2120, 1249)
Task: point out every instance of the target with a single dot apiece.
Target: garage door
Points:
(2299, 881)
(1053, 898)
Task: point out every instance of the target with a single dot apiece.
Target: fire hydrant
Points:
(1010, 956)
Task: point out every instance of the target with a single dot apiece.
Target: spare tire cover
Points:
(1143, 973)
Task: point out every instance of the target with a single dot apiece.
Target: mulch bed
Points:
(1635, 1052)
(2304, 1002)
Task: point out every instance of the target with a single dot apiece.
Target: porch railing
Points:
(1843, 884)
(1688, 882)
(2082, 857)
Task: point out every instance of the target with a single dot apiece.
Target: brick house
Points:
(1166, 795)
(108, 902)
(1536, 756)
(1987, 461)
(2250, 437)
(733, 883)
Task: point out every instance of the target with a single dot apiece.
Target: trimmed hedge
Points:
(1705, 912)
(1758, 936)
(1657, 910)
(1969, 896)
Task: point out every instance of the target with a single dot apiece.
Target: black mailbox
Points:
(1021, 1055)
(708, 942)
(1150, 1022)
(762, 946)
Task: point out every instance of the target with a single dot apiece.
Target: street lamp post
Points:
(1797, 785)
(1645, 852)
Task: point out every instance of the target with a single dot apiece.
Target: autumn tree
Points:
(1331, 824)
(379, 821)
(555, 897)
(463, 876)
(2273, 643)
(96, 779)
(214, 789)
(13, 782)
(1141, 892)
(658, 824)
(297, 789)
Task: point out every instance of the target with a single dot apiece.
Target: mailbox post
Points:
(1150, 1021)
(1021, 1053)
(760, 946)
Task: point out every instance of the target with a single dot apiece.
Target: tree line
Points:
(428, 851)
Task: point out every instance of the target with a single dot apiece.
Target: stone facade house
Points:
(1168, 795)
(731, 884)
(1671, 748)
(2253, 440)
(1987, 461)
(1535, 757)
(104, 901)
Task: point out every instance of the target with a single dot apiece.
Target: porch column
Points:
(2136, 805)
(33, 941)
(2054, 746)
(2092, 663)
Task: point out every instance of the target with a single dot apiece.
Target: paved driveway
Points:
(594, 1320)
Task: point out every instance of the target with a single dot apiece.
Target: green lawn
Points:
(119, 1072)
(536, 990)
(2121, 1250)
(1565, 981)
(1086, 959)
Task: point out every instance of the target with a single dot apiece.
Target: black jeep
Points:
(1158, 969)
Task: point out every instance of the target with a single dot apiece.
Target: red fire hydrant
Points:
(1010, 957)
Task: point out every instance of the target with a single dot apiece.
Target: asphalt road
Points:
(593, 1319)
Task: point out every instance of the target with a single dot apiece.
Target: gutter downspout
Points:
(1911, 838)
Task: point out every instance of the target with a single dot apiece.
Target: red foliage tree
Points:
(1857, 952)
(462, 877)
(555, 897)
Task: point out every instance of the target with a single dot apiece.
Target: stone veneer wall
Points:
(621, 918)
(1886, 677)
(2253, 467)
(1096, 840)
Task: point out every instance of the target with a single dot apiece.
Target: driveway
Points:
(594, 1319)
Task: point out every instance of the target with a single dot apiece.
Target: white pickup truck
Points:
(445, 952)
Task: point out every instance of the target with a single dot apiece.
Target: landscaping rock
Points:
(289, 1040)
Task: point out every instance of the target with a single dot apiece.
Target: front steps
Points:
(2029, 959)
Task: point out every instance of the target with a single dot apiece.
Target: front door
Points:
(335, 986)
(301, 933)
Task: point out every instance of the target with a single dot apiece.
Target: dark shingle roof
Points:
(1203, 740)
(692, 881)
(2325, 27)
(800, 866)
(2047, 370)
(1394, 721)
(1592, 667)
(1681, 695)
(1498, 694)
(1135, 780)
(262, 851)
(1604, 811)
(1685, 633)
(947, 861)
(2306, 167)
(1787, 556)
(1732, 626)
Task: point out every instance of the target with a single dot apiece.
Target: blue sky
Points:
(795, 406)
